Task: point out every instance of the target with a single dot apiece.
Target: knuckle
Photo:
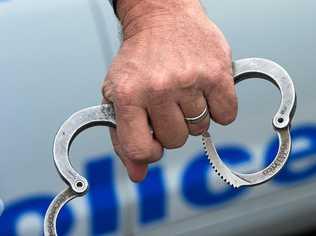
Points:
(158, 86)
(188, 78)
(159, 91)
(127, 93)
(124, 89)
(126, 81)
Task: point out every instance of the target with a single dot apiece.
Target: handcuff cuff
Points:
(104, 115)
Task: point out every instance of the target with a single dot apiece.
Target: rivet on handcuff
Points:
(104, 115)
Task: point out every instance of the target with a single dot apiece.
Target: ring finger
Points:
(196, 114)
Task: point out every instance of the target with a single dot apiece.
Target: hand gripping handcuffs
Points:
(104, 115)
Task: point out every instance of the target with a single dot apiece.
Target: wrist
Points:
(139, 15)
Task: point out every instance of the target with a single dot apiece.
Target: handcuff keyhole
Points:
(79, 184)
(280, 120)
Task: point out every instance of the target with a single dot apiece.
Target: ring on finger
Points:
(197, 119)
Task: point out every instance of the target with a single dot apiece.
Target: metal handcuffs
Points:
(104, 115)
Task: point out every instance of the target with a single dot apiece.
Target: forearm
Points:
(140, 15)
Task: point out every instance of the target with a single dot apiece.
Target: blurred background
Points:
(53, 58)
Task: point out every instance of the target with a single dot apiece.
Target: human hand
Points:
(173, 63)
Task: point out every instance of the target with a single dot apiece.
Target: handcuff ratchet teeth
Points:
(268, 70)
(104, 115)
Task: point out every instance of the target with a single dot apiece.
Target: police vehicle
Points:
(53, 58)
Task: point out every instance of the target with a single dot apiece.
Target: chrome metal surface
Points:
(53, 210)
(104, 115)
(268, 70)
